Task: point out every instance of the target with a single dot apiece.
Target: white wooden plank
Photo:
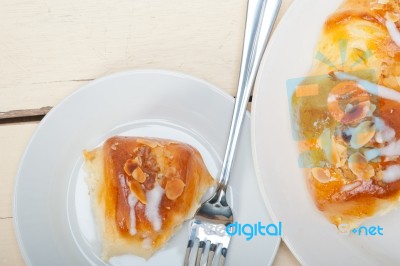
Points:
(13, 140)
(49, 48)
(9, 251)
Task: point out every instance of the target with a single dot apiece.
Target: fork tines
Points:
(208, 244)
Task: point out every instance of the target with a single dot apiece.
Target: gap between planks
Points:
(28, 115)
(32, 115)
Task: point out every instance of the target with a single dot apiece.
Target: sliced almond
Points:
(139, 175)
(137, 189)
(150, 142)
(174, 188)
(339, 153)
(346, 173)
(139, 160)
(358, 164)
(129, 166)
(362, 134)
(351, 186)
(321, 174)
(334, 152)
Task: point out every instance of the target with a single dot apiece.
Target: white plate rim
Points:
(271, 209)
(211, 86)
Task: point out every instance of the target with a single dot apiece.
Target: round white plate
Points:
(52, 212)
(307, 233)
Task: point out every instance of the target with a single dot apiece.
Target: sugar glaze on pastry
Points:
(349, 126)
(142, 190)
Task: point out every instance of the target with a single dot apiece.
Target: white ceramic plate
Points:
(307, 233)
(52, 213)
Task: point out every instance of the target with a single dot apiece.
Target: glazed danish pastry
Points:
(142, 190)
(348, 113)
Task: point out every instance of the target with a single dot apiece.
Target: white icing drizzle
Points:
(122, 181)
(393, 149)
(391, 174)
(331, 98)
(393, 32)
(351, 186)
(384, 132)
(153, 204)
(378, 90)
(132, 200)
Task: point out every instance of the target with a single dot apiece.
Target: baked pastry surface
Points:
(142, 190)
(347, 113)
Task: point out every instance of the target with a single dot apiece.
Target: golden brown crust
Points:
(346, 186)
(134, 173)
(361, 23)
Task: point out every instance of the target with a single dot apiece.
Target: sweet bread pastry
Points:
(347, 113)
(142, 190)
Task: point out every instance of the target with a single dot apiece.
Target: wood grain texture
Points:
(50, 48)
(13, 141)
(24, 113)
(9, 252)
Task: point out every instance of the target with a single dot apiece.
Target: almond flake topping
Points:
(174, 188)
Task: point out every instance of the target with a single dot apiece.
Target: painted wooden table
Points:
(49, 48)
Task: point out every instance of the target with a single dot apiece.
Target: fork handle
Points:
(261, 15)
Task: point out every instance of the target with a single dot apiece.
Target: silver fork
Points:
(212, 219)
